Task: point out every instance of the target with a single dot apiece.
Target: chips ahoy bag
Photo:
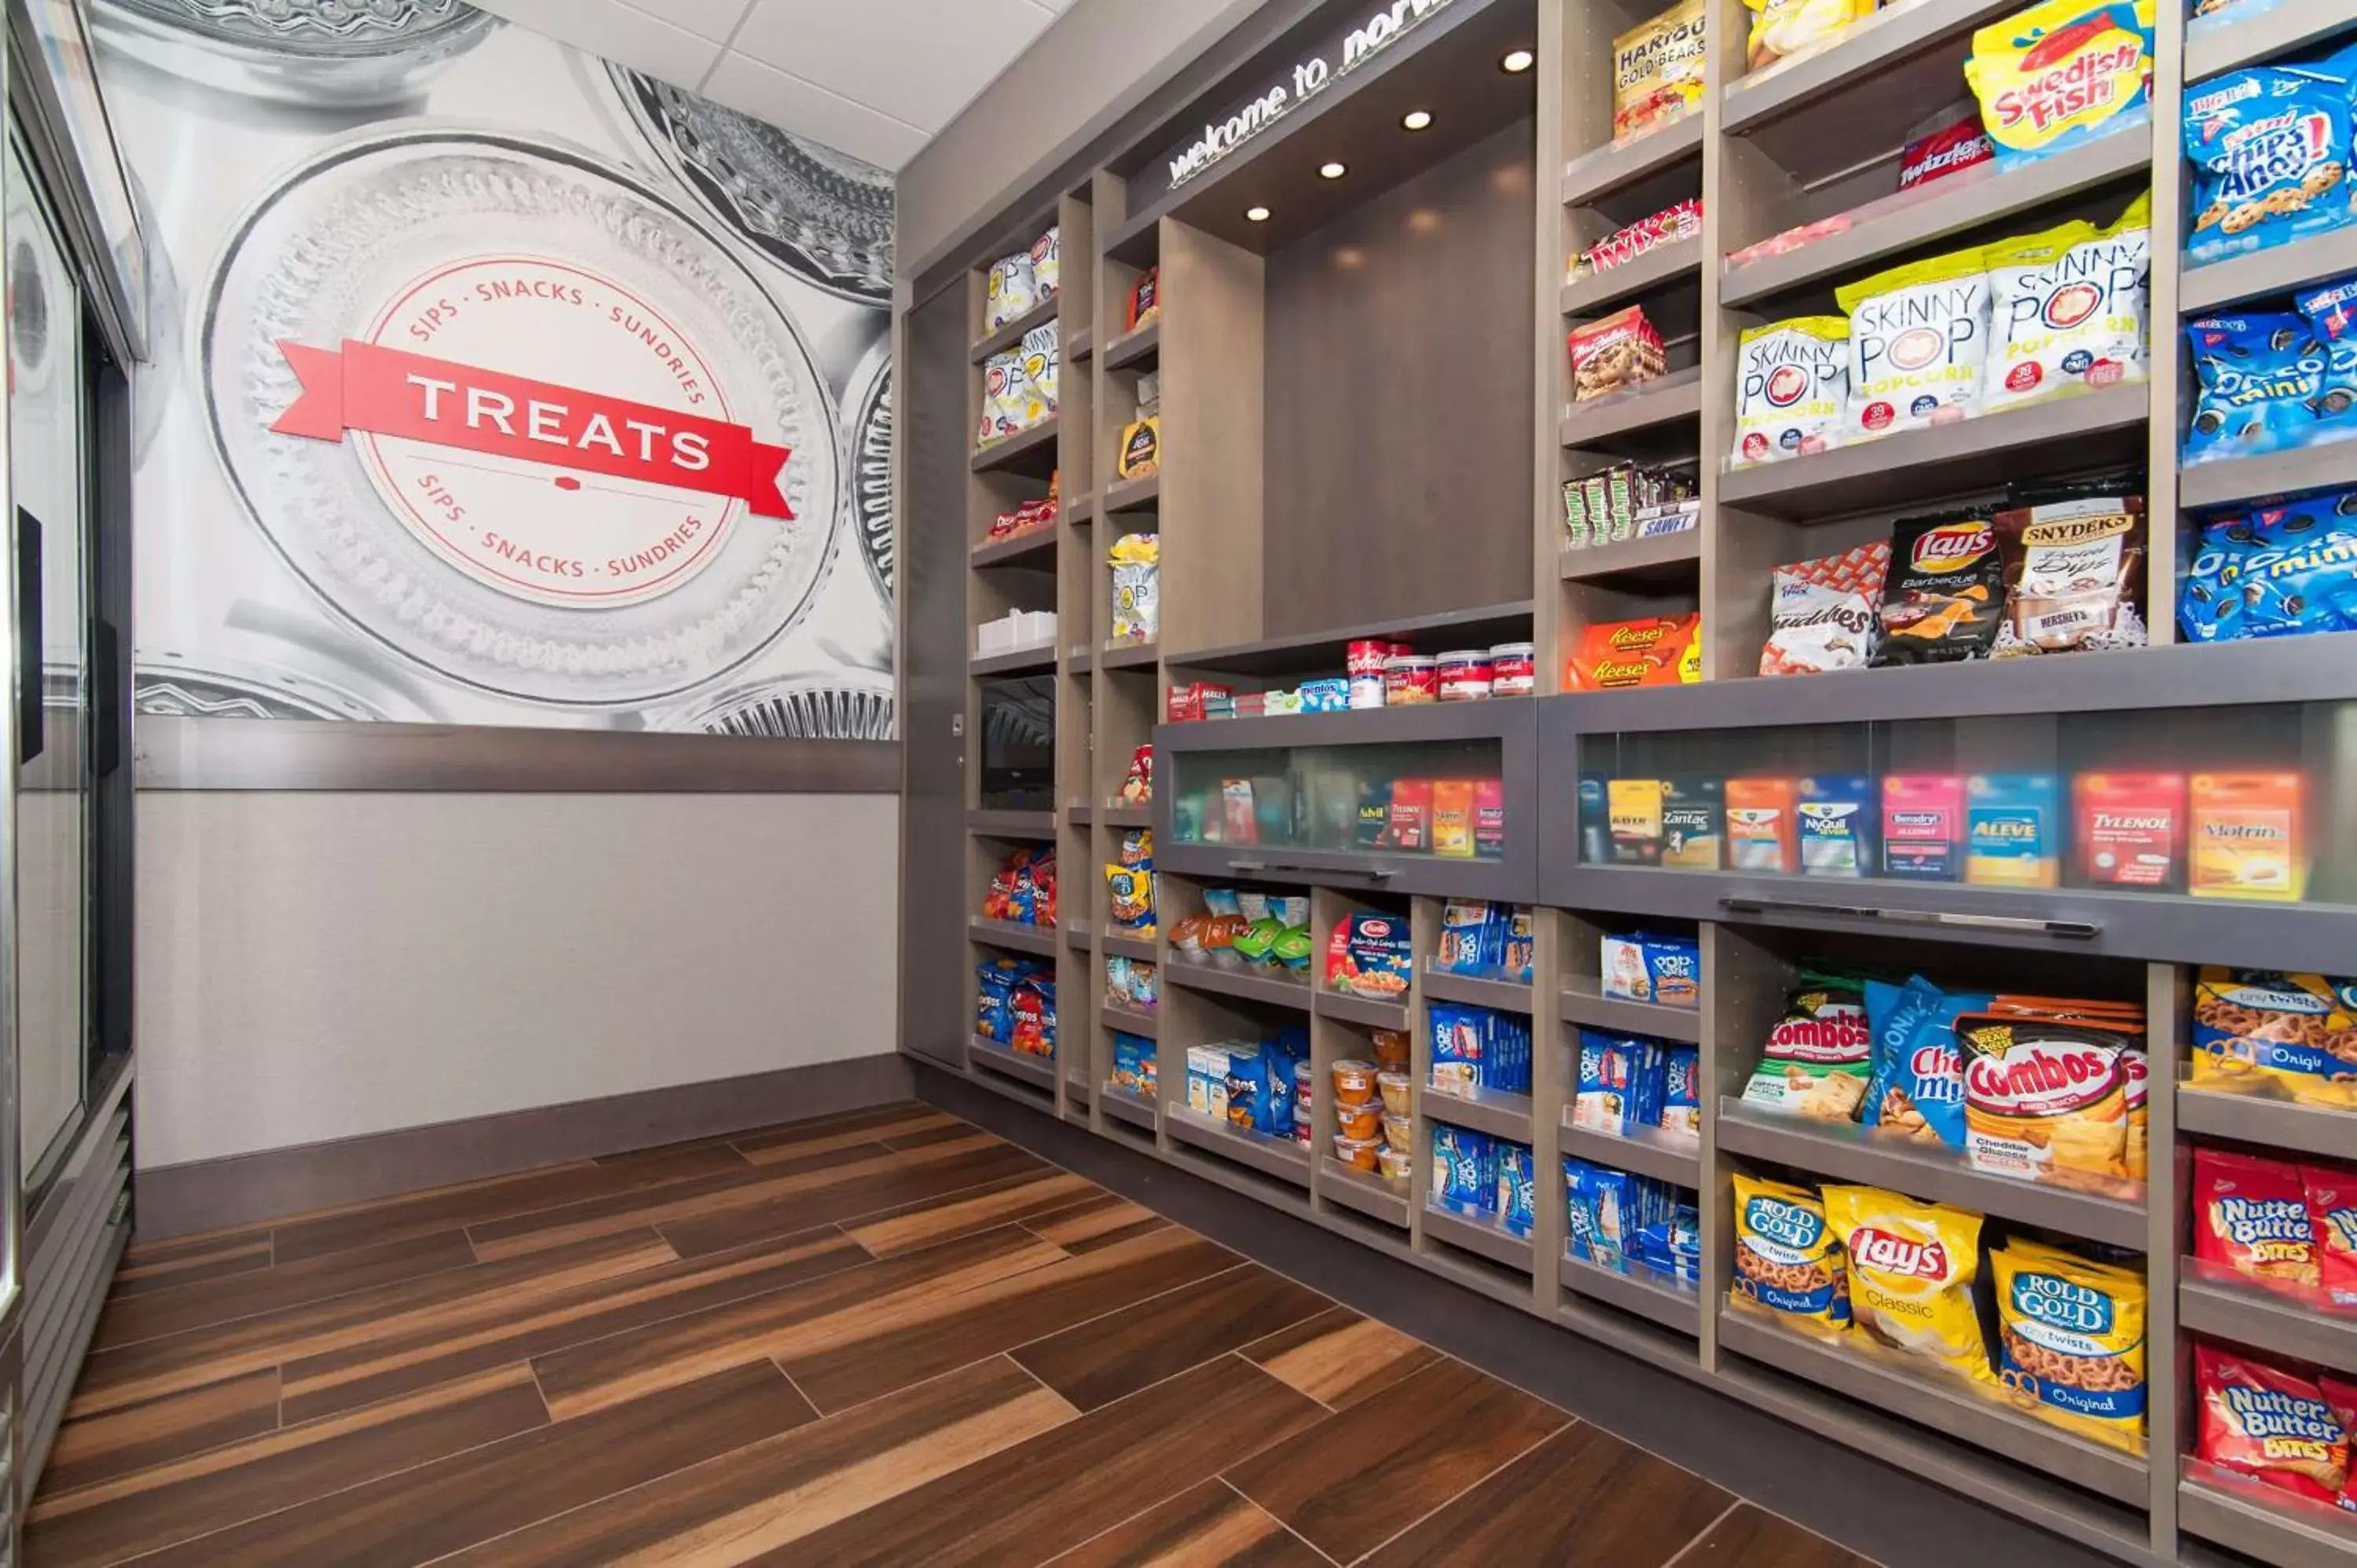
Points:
(2269, 149)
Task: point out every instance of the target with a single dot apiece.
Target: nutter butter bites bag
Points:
(1943, 597)
(1791, 388)
(1657, 71)
(1918, 340)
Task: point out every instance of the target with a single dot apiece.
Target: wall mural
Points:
(496, 383)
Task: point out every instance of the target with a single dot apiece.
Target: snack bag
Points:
(1681, 1090)
(1918, 340)
(2269, 149)
(1464, 1169)
(1137, 563)
(2046, 1099)
(2295, 1035)
(2012, 825)
(2128, 829)
(2067, 308)
(1664, 650)
(1917, 1089)
(1791, 388)
(1911, 1276)
(1788, 1261)
(1948, 143)
(1129, 890)
(2245, 833)
(2300, 573)
(2261, 374)
(1137, 783)
(1923, 826)
(1517, 1187)
(2208, 596)
(2250, 1215)
(2331, 1196)
(1789, 30)
(1145, 299)
(2332, 316)
(1826, 614)
(2263, 1421)
(1943, 598)
(1463, 947)
(2074, 571)
(1046, 261)
(2070, 1340)
(1010, 289)
(1657, 71)
(2061, 72)
(1141, 448)
(1040, 354)
(1818, 1058)
(1601, 1097)
(1613, 354)
(1000, 398)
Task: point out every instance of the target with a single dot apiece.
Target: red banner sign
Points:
(386, 391)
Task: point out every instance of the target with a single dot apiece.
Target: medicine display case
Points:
(1367, 428)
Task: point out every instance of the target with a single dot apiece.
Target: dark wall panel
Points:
(1399, 399)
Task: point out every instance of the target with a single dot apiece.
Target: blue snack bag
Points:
(1464, 1169)
(1464, 937)
(2332, 316)
(2262, 381)
(2269, 150)
(2300, 572)
(1517, 1181)
(2209, 593)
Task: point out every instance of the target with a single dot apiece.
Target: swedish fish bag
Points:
(2059, 73)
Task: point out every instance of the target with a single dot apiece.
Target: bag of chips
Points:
(1010, 289)
(1664, 650)
(1826, 613)
(2046, 1096)
(1791, 388)
(2067, 308)
(2074, 573)
(2269, 149)
(2293, 1035)
(1135, 560)
(2059, 73)
(1036, 400)
(2262, 378)
(1911, 1276)
(1145, 299)
(1819, 1057)
(2331, 1196)
(1046, 261)
(1917, 1089)
(2072, 1341)
(1918, 340)
(2268, 1423)
(1788, 1261)
(2300, 573)
(2332, 316)
(1943, 598)
(2250, 1215)
(1791, 29)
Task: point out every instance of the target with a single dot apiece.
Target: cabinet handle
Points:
(2076, 931)
(1255, 867)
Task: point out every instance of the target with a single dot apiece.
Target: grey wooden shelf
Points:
(1116, 945)
(1322, 651)
(1128, 655)
(2073, 430)
(1488, 1111)
(1079, 661)
(2278, 1123)
(1077, 936)
(1015, 661)
(1131, 495)
(1138, 351)
(1662, 557)
(1123, 1105)
(1593, 176)
(1950, 1408)
(1362, 1191)
(2233, 481)
(1080, 813)
(1080, 344)
(1013, 934)
(1476, 991)
(2226, 41)
(1281, 1158)
(1078, 511)
(1008, 336)
(1012, 824)
(2250, 1314)
(1676, 263)
(1038, 1072)
(1662, 401)
(1640, 1292)
(1583, 1004)
(1971, 199)
(1128, 816)
(1232, 983)
(1499, 878)
(1025, 451)
(1033, 548)
(2276, 1530)
(1483, 1238)
(1360, 1010)
(1145, 1026)
(1866, 50)
(1932, 1172)
(2211, 286)
(1647, 1151)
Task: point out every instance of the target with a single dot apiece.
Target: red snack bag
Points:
(1337, 954)
(2251, 1215)
(1616, 352)
(2333, 1225)
(1946, 144)
(1412, 814)
(2341, 1395)
(2261, 1421)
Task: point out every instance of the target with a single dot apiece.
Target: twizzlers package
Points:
(1948, 143)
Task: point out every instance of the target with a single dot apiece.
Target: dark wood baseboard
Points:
(245, 1189)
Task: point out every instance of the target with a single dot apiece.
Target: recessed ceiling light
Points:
(1331, 170)
(1517, 60)
(1416, 119)
(1255, 214)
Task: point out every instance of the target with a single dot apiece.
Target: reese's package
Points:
(1943, 597)
(1660, 650)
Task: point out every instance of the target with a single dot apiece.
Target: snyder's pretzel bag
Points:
(2264, 1031)
(2046, 1099)
(2067, 308)
(2250, 1215)
(1613, 354)
(1788, 29)
(2074, 574)
(1657, 69)
(2269, 149)
(1791, 388)
(2059, 73)
(1944, 594)
(1826, 614)
(1919, 337)
(2070, 1340)
(1788, 1261)
(1911, 1276)
(2263, 1422)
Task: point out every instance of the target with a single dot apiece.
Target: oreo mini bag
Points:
(2262, 379)
(2270, 150)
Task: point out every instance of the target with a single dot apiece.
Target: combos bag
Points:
(2059, 73)
(2070, 1340)
(1788, 29)
(1918, 340)
(1819, 1057)
(1788, 1261)
(1944, 597)
(1911, 1276)
(2270, 153)
(2262, 1030)
(2046, 1099)
(2067, 308)
(1826, 613)
(1791, 388)
(2263, 1421)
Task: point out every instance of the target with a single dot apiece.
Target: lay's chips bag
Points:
(2059, 73)
(1911, 1276)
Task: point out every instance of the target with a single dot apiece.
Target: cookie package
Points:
(1613, 354)
(2269, 149)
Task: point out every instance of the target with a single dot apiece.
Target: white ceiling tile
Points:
(746, 84)
(917, 60)
(618, 32)
(713, 19)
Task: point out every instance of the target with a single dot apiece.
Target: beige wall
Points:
(1093, 64)
(321, 965)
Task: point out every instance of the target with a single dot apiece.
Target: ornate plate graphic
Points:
(868, 468)
(342, 54)
(166, 684)
(826, 215)
(513, 414)
(847, 704)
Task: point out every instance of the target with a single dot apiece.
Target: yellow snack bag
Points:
(1788, 1262)
(2071, 1346)
(1787, 29)
(1910, 1275)
(1657, 69)
(2266, 1032)
(2059, 73)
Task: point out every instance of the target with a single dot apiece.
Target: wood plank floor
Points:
(883, 1337)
